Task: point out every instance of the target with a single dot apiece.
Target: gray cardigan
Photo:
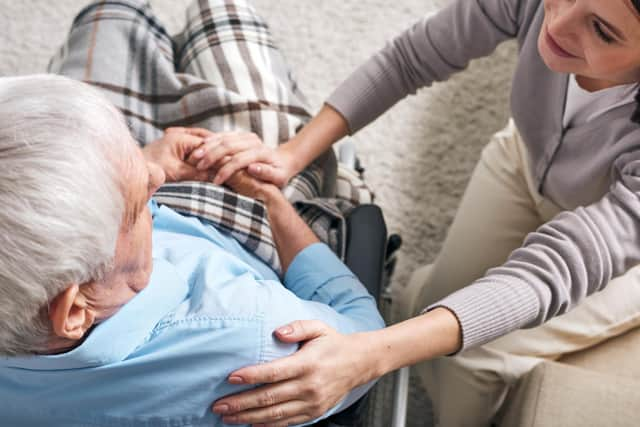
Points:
(592, 171)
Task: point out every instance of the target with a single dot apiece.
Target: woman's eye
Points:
(602, 34)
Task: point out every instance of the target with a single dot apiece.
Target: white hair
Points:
(62, 146)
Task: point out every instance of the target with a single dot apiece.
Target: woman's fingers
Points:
(289, 367)
(202, 153)
(189, 143)
(278, 414)
(301, 330)
(241, 160)
(217, 148)
(220, 147)
(269, 395)
(268, 173)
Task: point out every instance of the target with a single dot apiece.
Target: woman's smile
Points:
(555, 47)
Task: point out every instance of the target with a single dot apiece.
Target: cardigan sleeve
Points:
(570, 257)
(431, 50)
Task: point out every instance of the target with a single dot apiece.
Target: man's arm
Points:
(311, 271)
(289, 231)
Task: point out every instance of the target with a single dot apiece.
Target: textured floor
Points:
(418, 156)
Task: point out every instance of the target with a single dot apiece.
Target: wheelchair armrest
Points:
(366, 246)
(365, 256)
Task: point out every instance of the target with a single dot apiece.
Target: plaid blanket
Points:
(223, 72)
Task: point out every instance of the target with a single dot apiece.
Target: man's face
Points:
(132, 262)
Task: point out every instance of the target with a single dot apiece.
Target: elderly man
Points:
(117, 311)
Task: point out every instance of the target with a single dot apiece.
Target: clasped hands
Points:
(239, 159)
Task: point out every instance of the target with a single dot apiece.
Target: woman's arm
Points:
(572, 256)
(431, 50)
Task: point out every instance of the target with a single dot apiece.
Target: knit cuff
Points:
(489, 309)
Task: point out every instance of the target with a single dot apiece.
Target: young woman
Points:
(552, 212)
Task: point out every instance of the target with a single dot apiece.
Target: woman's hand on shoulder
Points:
(303, 386)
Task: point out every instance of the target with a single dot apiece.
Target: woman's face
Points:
(595, 39)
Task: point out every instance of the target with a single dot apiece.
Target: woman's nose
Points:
(564, 16)
(566, 9)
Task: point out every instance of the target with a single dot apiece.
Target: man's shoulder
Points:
(219, 329)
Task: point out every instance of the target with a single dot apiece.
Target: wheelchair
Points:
(372, 254)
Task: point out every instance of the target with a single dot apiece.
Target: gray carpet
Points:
(418, 156)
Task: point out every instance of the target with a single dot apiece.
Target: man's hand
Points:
(243, 183)
(174, 149)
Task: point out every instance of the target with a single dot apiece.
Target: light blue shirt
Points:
(162, 359)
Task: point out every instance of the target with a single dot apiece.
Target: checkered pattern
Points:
(222, 72)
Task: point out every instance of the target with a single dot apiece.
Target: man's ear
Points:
(70, 315)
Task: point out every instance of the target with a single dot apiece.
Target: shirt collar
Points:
(117, 337)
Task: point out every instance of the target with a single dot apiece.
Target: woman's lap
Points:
(495, 214)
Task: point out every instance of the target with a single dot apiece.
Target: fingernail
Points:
(257, 168)
(285, 330)
(229, 420)
(220, 409)
(199, 152)
(236, 380)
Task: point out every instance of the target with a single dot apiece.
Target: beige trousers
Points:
(500, 206)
